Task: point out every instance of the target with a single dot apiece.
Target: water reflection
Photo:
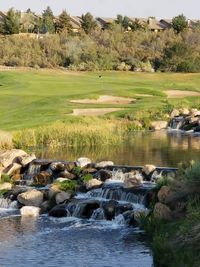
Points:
(159, 148)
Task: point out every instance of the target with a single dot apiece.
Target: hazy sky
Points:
(139, 8)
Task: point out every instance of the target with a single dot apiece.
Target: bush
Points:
(68, 185)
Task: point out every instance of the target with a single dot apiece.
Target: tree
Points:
(48, 21)
(136, 25)
(123, 21)
(179, 23)
(11, 23)
(88, 23)
(63, 23)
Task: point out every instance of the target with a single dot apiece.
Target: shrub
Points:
(68, 185)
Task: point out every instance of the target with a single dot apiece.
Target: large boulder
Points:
(158, 125)
(26, 159)
(5, 186)
(109, 209)
(93, 183)
(68, 175)
(83, 162)
(105, 174)
(147, 171)
(11, 156)
(104, 164)
(58, 211)
(57, 166)
(12, 169)
(175, 113)
(32, 197)
(62, 197)
(164, 193)
(43, 178)
(132, 180)
(162, 212)
(30, 211)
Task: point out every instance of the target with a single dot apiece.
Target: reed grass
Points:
(5, 140)
(90, 132)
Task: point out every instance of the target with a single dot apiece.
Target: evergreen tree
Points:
(88, 23)
(179, 23)
(48, 21)
(63, 23)
(11, 23)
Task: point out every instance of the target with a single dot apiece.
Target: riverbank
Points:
(173, 224)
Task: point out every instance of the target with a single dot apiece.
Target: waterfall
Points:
(119, 194)
(6, 203)
(98, 214)
(32, 171)
(177, 123)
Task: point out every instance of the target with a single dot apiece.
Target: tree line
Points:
(176, 49)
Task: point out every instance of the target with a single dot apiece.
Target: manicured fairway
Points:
(29, 98)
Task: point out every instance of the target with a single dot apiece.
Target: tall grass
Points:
(5, 140)
(86, 132)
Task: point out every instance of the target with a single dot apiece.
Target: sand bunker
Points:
(106, 99)
(180, 94)
(93, 111)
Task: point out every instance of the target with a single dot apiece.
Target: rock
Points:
(162, 212)
(26, 159)
(163, 194)
(158, 125)
(129, 218)
(43, 178)
(148, 169)
(17, 177)
(46, 206)
(194, 112)
(105, 174)
(104, 164)
(89, 171)
(5, 186)
(58, 211)
(53, 190)
(66, 174)
(12, 169)
(57, 166)
(32, 197)
(175, 113)
(62, 197)
(93, 183)
(70, 166)
(83, 162)
(132, 180)
(184, 111)
(61, 179)
(11, 156)
(86, 208)
(30, 211)
(109, 209)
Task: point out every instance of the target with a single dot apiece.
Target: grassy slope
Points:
(31, 98)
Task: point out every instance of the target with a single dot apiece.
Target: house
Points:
(104, 23)
(167, 23)
(76, 23)
(156, 26)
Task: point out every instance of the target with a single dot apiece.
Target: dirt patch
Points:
(93, 111)
(106, 99)
(180, 94)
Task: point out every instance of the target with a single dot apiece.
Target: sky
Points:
(110, 8)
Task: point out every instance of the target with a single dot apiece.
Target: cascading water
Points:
(32, 171)
(176, 123)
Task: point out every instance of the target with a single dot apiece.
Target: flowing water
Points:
(75, 241)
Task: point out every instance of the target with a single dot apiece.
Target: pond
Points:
(160, 148)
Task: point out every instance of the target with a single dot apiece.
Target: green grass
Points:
(30, 98)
